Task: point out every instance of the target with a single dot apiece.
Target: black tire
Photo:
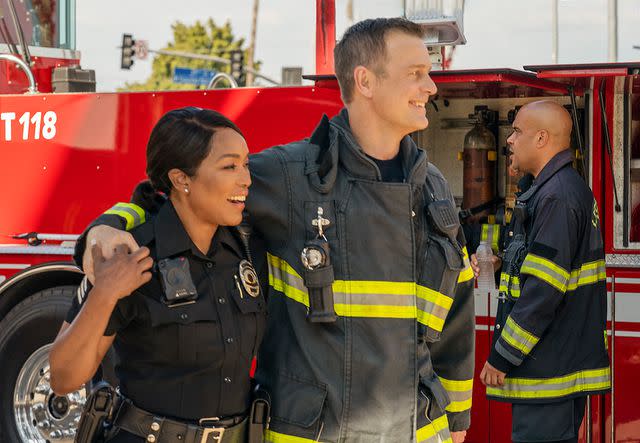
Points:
(31, 324)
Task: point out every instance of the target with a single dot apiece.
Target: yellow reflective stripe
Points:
(515, 284)
(588, 273)
(276, 437)
(288, 290)
(518, 337)
(363, 298)
(437, 428)
(457, 385)
(495, 238)
(484, 234)
(133, 214)
(606, 341)
(467, 273)
(460, 393)
(504, 284)
(459, 406)
(433, 307)
(545, 270)
(580, 381)
(491, 234)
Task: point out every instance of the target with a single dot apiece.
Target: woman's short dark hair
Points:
(180, 140)
(364, 44)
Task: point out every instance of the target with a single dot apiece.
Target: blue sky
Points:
(500, 33)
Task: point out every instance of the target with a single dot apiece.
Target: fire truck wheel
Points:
(29, 410)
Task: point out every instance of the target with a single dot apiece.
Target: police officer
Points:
(370, 336)
(549, 347)
(185, 331)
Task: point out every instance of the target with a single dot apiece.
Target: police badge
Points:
(249, 278)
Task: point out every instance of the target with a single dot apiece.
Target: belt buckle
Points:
(207, 431)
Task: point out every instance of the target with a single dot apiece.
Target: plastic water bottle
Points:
(486, 280)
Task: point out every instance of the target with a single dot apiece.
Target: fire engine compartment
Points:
(453, 113)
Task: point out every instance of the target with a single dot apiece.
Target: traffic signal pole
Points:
(211, 58)
(252, 43)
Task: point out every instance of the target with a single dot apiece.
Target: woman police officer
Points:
(186, 329)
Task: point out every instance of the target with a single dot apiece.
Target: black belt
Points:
(157, 429)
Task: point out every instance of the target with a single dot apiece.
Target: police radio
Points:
(318, 274)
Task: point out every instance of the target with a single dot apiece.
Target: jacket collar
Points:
(559, 161)
(338, 145)
(529, 186)
(172, 239)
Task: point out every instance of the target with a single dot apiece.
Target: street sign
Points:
(193, 76)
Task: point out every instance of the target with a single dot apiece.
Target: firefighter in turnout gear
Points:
(371, 317)
(549, 348)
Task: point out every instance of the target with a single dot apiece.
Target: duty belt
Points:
(157, 429)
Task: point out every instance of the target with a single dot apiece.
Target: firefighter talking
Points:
(549, 346)
(371, 316)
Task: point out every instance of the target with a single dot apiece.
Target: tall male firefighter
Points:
(366, 261)
(550, 343)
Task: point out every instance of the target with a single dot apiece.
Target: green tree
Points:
(199, 38)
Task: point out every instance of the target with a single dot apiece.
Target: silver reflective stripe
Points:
(374, 299)
(581, 381)
(588, 273)
(367, 298)
(491, 234)
(515, 284)
(127, 211)
(546, 270)
(81, 293)
(507, 355)
(459, 396)
(435, 432)
(137, 220)
(432, 308)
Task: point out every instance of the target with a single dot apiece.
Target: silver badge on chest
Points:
(249, 278)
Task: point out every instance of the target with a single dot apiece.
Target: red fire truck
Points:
(66, 157)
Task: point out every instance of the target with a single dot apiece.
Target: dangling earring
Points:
(186, 190)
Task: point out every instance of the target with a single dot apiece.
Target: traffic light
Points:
(237, 66)
(126, 57)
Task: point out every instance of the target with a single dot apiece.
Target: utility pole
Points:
(350, 11)
(252, 43)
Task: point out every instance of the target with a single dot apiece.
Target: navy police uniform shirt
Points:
(194, 360)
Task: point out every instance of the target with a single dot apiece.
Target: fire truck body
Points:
(68, 157)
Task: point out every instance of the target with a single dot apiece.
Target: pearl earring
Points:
(186, 190)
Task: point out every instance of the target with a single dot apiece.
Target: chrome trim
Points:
(14, 265)
(44, 236)
(34, 402)
(613, 357)
(631, 281)
(40, 51)
(33, 88)
(38, 269)
(623, 260)
(589, 423)
(222, 76)
(35, 250)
